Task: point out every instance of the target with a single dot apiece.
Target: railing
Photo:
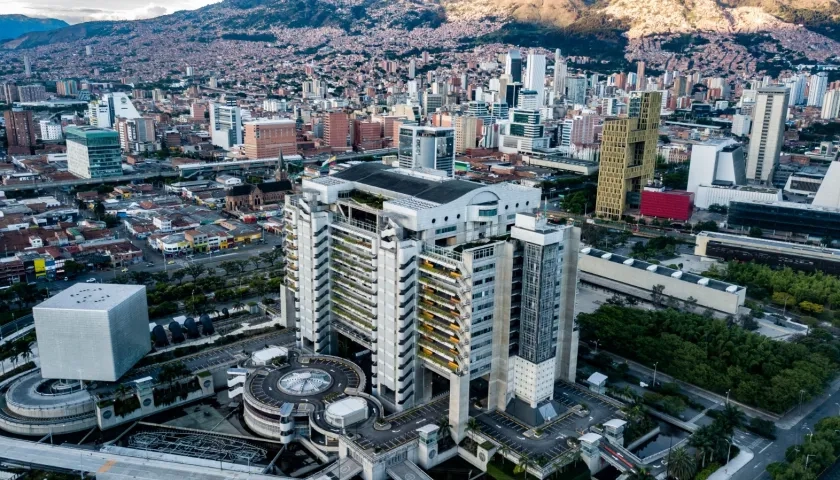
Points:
(435, 322)
(352, 262)
(350, 307)
(347, 292)
(435, 283)
(448, 302)
(346, 315)
(443, 254)
(356, 250)
(446, 340)
(443, 363)
(352, 222)
(446, 314)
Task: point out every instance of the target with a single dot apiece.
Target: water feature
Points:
(669, 435)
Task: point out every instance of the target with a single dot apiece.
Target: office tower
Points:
(427, 147)
(10, 93)
(20, 130)
(831, 105)
(564, 132)
(498, 111)
(110, 321)
(528, 100)
(189, 71)
(583, 129)
(640, 76)
(93, 153)
(427, 279)
(32, 93)
(768, 130)
(561, 71)
(524, 133)
(412, 69)
(137, 134)
(198, 110)
(225, 125)
(536, 76)
(512, 91)
(797, 86)
(467, 133)
(576, 90)
(267, 138)
(679, 86)
(741, 124)
(273, 105)
(431, 102)
(366, 134)
(628, 155)
(213, 82)
(336, 130)
(27, 66)
(50, 131)
(513, 66)
(104, 112)
(816, 89)
(479, 109)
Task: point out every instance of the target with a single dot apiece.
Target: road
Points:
(85, 181)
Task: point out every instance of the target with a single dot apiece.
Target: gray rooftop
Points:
(385, 177)
(660, 269)
(91, 296)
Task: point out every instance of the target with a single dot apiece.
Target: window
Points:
(488, 213)
(440, 231)
(484, 268)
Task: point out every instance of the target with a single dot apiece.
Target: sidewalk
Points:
(725, 472)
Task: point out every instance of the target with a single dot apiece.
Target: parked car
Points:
(90, 280)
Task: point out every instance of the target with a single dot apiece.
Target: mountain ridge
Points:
(13, 26)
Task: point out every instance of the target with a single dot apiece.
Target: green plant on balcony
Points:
(365, 198)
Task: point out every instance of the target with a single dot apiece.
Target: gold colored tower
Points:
(628, 154)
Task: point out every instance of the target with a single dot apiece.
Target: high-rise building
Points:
(267, 138)
(768, 130)
(528, 100)
(561, 71)
(816, 89)
(427, 147)
(111, 321)
(367, 135)
(679, 88)
(432, 101)
(225, 125)
(336, 130)
(640, 76)
(104, 112)
(428, 280)
(576, 90)
(467, 133)
(50, 132)
(32, 93)
(88, 50)
(412, 69)
(93, 152)
(583, 129)
(716, 162)
(535, 76)
(27, 66)
(136, 134)
(513, 66)
(67, 88)
(512, 91)
(628, 155)
(831, 105)
(10, 93)
(198, 110)
(741, 124)
(20, 130)
(524, 133)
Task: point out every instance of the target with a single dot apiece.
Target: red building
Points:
(668, 204)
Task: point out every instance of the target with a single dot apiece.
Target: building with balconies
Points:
(450, 284)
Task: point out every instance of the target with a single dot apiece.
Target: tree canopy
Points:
(716, 356)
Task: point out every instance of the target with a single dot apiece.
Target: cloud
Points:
(77, 11)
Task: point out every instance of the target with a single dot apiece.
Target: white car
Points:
(90, 280)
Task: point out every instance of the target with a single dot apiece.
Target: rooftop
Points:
(91, 296)
(662, 270)
(402, 182)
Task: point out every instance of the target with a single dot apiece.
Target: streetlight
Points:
(808, 457)
(727, 396)
(655, 366)
(838, 406)
(810, 435)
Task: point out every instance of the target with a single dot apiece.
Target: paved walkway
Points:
(744, 457)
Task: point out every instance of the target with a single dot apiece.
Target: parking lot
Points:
(504, 429)
(404, 427)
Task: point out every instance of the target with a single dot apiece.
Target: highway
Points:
(85, 181)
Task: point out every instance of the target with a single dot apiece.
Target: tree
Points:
(641, 474)
(503, 452)
(99, 210)
(178, 275)
(656, 294)
(731, 418)
(73, 268)
(525, 462)
(690, 304)
(194, 270)
(681, 464)
(756, 232)
(255, 261)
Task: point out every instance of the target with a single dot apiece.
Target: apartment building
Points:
(446, 282)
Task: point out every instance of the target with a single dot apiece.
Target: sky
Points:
(77, 11)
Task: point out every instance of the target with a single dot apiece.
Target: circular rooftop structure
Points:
(304, 382)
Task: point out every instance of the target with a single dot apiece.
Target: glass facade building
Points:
(93, 152)
(786, 217)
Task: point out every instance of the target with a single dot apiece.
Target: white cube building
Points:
(93, 332)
